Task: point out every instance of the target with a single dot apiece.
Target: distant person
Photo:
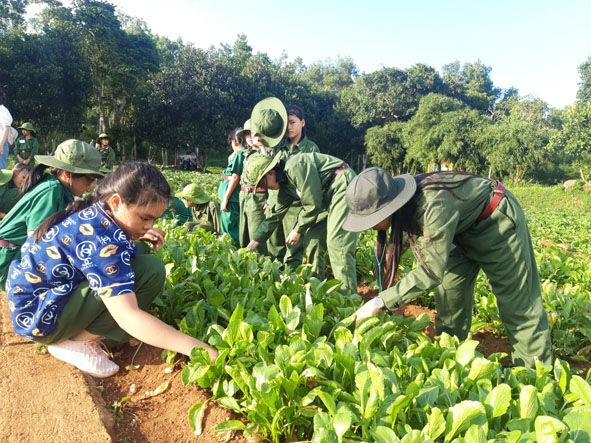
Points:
(10, 183)
(5, 125)
(229, 189)
(456, 224)
(26, 146)
(74, 171)
(107, 152)
(205, 213)
(81, 278)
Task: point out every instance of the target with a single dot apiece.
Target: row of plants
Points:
(294, 364)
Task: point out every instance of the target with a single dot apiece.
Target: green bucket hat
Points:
(257, 166)
(269, 120)
(103, 135)
(194, 193)
(246, 128)
(373, 195)
(5, 176)
(28, 126)
(74, 156)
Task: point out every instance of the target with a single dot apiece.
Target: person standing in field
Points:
(74, 171)
(229, 189)
(319, 182)
(107, 153)
(455, 224)
(26, 146)
(81, 278)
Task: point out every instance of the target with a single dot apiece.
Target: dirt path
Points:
(42, 398)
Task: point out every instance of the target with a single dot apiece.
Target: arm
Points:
(149, 329)
(233, 182)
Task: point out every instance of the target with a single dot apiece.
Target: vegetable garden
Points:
(295, 366)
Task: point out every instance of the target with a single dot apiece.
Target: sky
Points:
(535, 46)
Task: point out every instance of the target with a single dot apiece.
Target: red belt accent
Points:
(339, 170)
(251, 190)
(498, 194)
(227, 177)
(7, 244)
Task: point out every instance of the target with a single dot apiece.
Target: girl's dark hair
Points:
(36, 175)
(402, 222)
(232, 137)
(22, 167)
(138, 184)
(298, 112)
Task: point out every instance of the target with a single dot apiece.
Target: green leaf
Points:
(382, 434)
(581, 389)
(466, 352)
(342, 422)
(461, 416)
(528, 402)
(548, 429)
(499, 400)
(579, 425)
(481, 368)
(196, 414)
(435, 424)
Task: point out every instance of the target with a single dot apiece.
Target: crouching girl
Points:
(81, 279)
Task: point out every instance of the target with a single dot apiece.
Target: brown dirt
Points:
(44, 399)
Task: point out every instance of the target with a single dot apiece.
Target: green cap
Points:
(5, 176)
(194, 193)
(257, 166)
(28, 126)
(74, 156)
(103, 135)
(269, 120)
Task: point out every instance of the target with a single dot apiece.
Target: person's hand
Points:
(293, 238)
(369, 309)
(224, 205)
(253, 245)
(155, 237)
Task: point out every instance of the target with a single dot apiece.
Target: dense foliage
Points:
(293, 363)
(85, 68)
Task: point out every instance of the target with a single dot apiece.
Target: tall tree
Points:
(584, 91)
(471, 84)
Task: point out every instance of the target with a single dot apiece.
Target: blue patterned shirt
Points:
(87, 245)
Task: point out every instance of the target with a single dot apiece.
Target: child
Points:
(205, 213)
(81, 279)
(455, 224)
(27, 145)
(10, 183)
(229, 189)
(74, 171)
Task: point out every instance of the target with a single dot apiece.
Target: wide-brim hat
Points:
(103, 135)
(257, 167)
(5, 176)
(373, 195)
(194, 193)
(74, 156)
(246, 128)
(269, 121)
(28, 126)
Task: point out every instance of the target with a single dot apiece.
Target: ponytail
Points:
(54, 219)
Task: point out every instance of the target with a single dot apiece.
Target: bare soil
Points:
(44, 399)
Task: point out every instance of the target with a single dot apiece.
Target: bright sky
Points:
(533, 45)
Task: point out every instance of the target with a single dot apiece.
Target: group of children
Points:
(75, 249)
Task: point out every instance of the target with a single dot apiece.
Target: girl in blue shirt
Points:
(81, 278)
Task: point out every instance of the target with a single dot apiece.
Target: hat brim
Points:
(270, 166)
(358, 222)
(277, 105)
(5, 176)
(51, 161)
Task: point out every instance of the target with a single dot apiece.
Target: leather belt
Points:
(7, 244)
(339, 170)
(498, 194)
(251, 190)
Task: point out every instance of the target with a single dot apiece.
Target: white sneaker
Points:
(88, 356)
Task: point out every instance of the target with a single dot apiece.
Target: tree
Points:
(471, 84)
(385, 146)
(584, 92)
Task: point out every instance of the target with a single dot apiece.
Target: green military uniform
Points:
(454, 246)
(230, 219)
(9, 195)
(107, 156)
(205, 216)
(26, 149)
(318, 182)
(176, 209)
(309, 245)
(253, 200)
(46, 198)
